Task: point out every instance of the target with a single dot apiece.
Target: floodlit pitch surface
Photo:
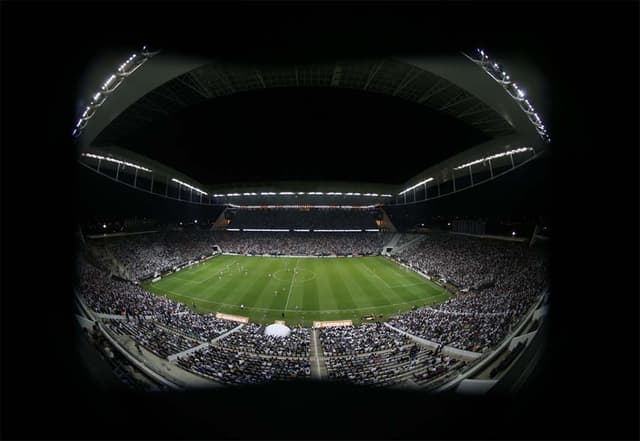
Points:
(304, 289)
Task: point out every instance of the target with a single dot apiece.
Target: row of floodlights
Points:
(347, 207)
(300, 230)
(498, 73)
(114, 81)
(189, 186)
(290, 193)
(116, 161)
(139, 167)
(469, 164)
(497, 155)
(270, 193)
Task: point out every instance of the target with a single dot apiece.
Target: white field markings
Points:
(401, 285)
(216, 271)
(406, 285)
(295, 267)
(319, 311)
(420, 280)
(198, 268)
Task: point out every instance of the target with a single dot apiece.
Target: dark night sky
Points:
(298, 134)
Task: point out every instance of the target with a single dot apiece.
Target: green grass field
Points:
(307, 289)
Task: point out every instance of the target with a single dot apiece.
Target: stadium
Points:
(221, 252)
(319, 222)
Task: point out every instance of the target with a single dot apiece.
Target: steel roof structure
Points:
(463, 86)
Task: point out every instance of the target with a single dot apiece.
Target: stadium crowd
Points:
(321, 218)
(146, 254)
(365, 338)
(501, 281)
(301, 244)
(143, 256)
(104, 294)
(233, 366)
(251, 338)
(402, 363)
(156, 339)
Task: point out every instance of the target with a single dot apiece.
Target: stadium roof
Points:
(197, 115)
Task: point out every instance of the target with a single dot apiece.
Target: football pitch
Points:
(299, 290)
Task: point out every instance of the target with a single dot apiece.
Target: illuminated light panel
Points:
(112, 83)
(286, 192)
(498, 74)
(337, 231)
(232, 229)
(497, 155)
(301, 230)
(253, 207)
(416, 186)
(117, 161)
(372, 230)
(267, 230)
(188, 186)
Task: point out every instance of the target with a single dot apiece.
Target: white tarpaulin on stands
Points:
(277, 330)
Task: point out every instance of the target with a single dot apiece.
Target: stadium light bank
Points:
(115, 80)
(188, 186)
(499, 74)
(116, 161)
(415, 186)
(497, 155)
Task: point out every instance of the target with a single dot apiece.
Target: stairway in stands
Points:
(411, 240)
(318, 367)
(392, 243)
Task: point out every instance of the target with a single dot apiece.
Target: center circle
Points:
(302, 275)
